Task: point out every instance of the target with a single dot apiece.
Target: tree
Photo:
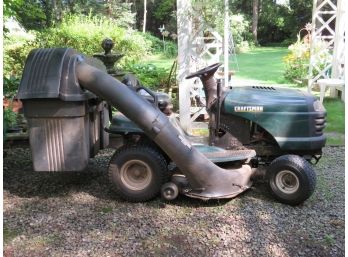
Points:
(145, 11)
(28, 13)
(255, 19)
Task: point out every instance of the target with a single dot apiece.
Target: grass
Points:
(160, 60)
(263, 65)
(335, 117)
(106, 209)
(9, 234)
(329, 239)
(335, 121)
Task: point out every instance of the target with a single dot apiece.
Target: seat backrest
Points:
(131, 81)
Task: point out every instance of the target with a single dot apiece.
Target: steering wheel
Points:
(205, 71)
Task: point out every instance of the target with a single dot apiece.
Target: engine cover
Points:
(294, 118)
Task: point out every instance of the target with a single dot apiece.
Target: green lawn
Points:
(335, 117)
(263, 65)
(335, 121)
(160, 61)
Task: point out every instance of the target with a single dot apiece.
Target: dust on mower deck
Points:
(77, 214)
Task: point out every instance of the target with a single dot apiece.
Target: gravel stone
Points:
(77, 214)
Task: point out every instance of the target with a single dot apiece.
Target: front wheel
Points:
(291, 179)
(137, 172)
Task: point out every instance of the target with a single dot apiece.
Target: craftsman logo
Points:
(248, 108)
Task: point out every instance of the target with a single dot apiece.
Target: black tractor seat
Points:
(164, 102)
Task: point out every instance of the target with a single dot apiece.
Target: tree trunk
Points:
(255, 19)
(145, 11)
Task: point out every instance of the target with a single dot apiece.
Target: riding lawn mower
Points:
(278, 131)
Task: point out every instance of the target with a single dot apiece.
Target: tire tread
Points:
(299, 164)
(157, 157)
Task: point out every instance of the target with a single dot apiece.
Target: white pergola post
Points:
(184, 41)
(226, 37)
(338, 52)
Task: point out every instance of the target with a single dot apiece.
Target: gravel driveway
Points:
(62, 214)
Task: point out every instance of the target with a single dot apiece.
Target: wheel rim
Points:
(169, 193)
(136, 175)
(287, 182)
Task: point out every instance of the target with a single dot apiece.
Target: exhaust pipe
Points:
(205, 178)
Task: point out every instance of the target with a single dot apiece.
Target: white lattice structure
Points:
(327, 41)
(198, 46)
(206, 49)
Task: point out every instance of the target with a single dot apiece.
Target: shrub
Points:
(240, 29)
(85, 34)
(10, 86)
(171, 49)
(149, 75)
(297, 61)
(10, 117)
(244, 46)
(157, 47)
(16, 49)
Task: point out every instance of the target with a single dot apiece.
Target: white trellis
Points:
(198, 46)
(327, 41)
(206, 49)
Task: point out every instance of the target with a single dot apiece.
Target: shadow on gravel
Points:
(252, 224)
(30, 184)
(20, 179)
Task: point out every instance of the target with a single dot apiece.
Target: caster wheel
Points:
(169, 191)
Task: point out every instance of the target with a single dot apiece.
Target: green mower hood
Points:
(267, 99)
(295, 118)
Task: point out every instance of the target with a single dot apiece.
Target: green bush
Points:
(244, 46)
(240, 29)
(156, 46)
(10, 118)
(10, 86)
(171, 49)
(16, 50)
(85, 34)
(149, 75)
(297, 61)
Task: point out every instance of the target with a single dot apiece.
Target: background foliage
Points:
(297, 60)
(83, 24)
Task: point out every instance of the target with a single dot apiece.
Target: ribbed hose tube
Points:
(206, 179)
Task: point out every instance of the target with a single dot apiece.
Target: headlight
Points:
(318, 106)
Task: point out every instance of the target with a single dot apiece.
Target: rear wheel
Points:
(291, 179)
(137, 172)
